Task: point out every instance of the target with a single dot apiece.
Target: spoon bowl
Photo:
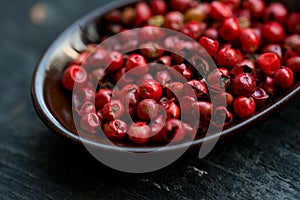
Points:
(53, 104)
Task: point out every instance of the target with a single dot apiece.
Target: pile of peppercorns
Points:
(255, 46)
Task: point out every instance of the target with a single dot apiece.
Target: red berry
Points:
(90, 123)
(158, 7)
(182, 5)
(102, 97)
(230, 29)
(249, 40)
(211, 33)
(114, 60)
(143, 13)
(276, 11)
(221, 117)
(115, 130)
(193, 29)
(172, 131)
(150, 89)
(269, 86)
(273, 32)
(227, 57)
(151, 50)
(73, 74)
(150, 34)
(260, 96)
(220, 11)
(244, 106)
(113, 110)
(294, 64)
(136, 61)
(293, 23)
(147, 109)
(198, 87)
(87, 107)
(256, 7)
(222, 99)
(284, 77)
(269, 63)
(246, 66)
(139, 133)
(173, 111)
(163, 77)
(273, 48)
(292, 41)
(243, 84)
(233, 4)
(204, 109)
(173, 20)
(183, 70)
(130, 98)
(211, 46)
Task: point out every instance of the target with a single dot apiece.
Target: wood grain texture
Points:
(262, 163)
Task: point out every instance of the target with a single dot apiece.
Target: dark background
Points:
(262, 163)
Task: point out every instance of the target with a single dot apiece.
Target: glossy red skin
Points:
(173, 20)
(211, 33)
(136, 60)
(144, 78)
(173, 111)
(269, 86)
(150, 89)
(294, 64)
(260, 96)
(273, 48)
(115, 130)
(249, 40)
(122, 78)
(220, 11)
(197, 86)
(163, 78)
(284, 77)
(87, 107)
(90, 123)
(289, 54)
(273, 32)
(222, 99)
(276, 11)
(183, 70)
(246, 66)
(102, 97)
(147, 109)
(230, 29)
(269, 63)
(139, 133)
(182, 5)
(193, 29)
(256, 7)
(158, 7)
(214, 79)
(143, 13)
(113, 110)
(211, 46)
(222, 117)
(114, 61)
(293, 23)
(227, 57)
(244, 106)
(72, 74)
(172, 131)
(243, 84)
(174, 89)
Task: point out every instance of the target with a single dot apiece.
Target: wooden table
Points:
(263, 163)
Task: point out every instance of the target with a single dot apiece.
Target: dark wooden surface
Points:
(263, 163)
